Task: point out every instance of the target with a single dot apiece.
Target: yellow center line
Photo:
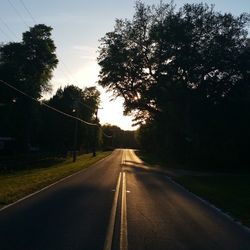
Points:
(123, 222)
(109, 236)
(123, 232)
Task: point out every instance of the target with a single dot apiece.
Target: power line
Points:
(54, 109)
(27, 10)
(68, 74)
(8, 28)
(5, 34)
(18, 13)
(108, 136)
(86, 105)
(66, 70)
(46, 105)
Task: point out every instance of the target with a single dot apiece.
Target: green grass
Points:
(18, 184)
(231, 193)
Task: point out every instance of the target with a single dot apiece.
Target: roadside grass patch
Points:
(231, 193)
(18, 184)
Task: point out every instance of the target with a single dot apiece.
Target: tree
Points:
(57, 131)
(115, 137)
(163, 49)
(28, 66)
(178, 70)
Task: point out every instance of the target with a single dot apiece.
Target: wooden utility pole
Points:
(75, 130)
(95, 133)
(75, 140)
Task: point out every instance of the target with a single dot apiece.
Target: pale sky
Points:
(77, 27)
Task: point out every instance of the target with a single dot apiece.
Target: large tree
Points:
(180, 69)
(28, 66)
(161, 49)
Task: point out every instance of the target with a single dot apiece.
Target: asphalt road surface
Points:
(118, 203)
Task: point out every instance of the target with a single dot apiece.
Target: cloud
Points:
(85, 48)
(87, 52)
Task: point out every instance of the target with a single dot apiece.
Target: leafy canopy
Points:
(163, 52)
(29, 64)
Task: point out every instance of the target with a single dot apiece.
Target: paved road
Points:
(118, 203)
(70, 215)
(162, 215)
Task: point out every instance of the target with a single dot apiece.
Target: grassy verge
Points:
(18, 184)
(228, 192)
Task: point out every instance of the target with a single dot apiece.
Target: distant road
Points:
(118, 203)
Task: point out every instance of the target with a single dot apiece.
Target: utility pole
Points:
(76, 110)
(75, 135)
(95, 134)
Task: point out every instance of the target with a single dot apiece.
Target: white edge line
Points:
(110, 231)
(49, 186)
(210, 205)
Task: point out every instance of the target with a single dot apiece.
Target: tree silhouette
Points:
(57, 131)
(180, 71)
(28, 66)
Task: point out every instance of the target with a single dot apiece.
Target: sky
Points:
(78, 25)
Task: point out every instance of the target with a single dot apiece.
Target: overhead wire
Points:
(55, 109)
(28, 11)
(66, 70)
(8, 28)
(17, 12)
(108, 136)
(46, 105)
(5, 34)
(68, 75)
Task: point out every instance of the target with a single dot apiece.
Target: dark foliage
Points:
(28, 66)
(28, 130)
(119, 138)
(59, 130)
(184, 74)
